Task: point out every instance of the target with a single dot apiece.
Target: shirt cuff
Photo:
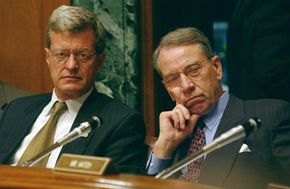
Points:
(156, 165)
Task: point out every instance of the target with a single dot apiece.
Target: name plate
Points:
(85, 164)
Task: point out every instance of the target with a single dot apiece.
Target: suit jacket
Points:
(120, 136)
(269, 159)
(258, 49)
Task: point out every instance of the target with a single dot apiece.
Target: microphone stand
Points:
(83, 130)
(230, 136)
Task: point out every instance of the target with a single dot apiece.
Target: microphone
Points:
(230, 136)
(81, 131)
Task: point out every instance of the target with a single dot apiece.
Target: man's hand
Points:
(175, 126)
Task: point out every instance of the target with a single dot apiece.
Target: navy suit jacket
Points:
(269, 159)
(120, 136)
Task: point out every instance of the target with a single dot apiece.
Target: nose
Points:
(72, 62)
(185, 83)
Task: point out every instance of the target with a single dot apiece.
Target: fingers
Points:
(175, 126)
(180, 116)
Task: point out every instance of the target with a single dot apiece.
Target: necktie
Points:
(197, 142)
(44, 138)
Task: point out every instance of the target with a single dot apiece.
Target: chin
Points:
(73, 91)
(72, 87)
(199, 109)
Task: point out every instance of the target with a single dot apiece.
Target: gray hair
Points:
(183, 36)
(76, 19)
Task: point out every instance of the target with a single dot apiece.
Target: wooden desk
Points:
(22, 177)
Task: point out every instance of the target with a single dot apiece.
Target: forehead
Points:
(173, 59)
(80, 39)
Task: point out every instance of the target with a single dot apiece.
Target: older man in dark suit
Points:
(191, 74)
(74, 55)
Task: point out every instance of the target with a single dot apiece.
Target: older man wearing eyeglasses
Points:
(191, 74)
(74, 55)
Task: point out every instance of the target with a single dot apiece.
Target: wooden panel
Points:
(22, 58)
(147, 66)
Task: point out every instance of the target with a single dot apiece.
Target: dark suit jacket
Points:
(258, 49)
(120, 136)
(269, 159)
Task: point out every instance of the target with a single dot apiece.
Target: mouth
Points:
(194, 101)
(71, 78)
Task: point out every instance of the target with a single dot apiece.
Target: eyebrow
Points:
(186, 67)
(192, 64)
(72, 49)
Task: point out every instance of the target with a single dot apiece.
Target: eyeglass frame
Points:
(198, 62)
(69, 52)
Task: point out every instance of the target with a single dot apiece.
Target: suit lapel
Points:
(218, 164)
(89, 108)
(27, 117)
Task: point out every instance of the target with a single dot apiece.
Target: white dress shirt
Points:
(63, 126)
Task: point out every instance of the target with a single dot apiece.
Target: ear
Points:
(217, 65)
(100, 60)
(47, 55)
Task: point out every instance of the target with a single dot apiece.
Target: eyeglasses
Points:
(62, 55)
(192, 72)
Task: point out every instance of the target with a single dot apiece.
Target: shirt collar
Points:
(212, 119)
(73, 105)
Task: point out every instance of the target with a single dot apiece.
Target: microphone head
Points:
(95, 122)
(251, 125)
(255, 122)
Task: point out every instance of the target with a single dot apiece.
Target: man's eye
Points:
(60, 54)
(171, 80)
(192, 71)
(84, 55)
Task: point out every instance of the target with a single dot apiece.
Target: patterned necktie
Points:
(44, 138)
(197, 142)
